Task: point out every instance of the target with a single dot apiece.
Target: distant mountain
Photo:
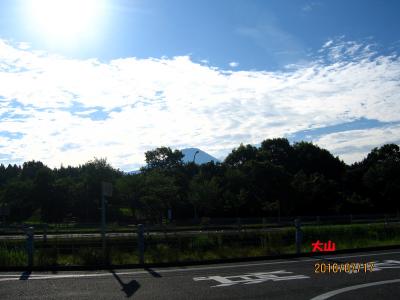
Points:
(188, 155)
(134, 172)
(201, 157)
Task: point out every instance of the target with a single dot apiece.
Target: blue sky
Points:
(113, 79)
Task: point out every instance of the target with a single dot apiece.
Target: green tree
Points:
(203, 195)
(93, 173)
(30, 169)
(43, 195)
(376, 179)
(163, 158)
(67, 193)
(159, 194)
(277, 151)
(382, 183)
(3, 175)
(315, 194)
(312, 159)
(17, 195)
(234, 189)
(241, 155)
(130, 189)
(268, 184)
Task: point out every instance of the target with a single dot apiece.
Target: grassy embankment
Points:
(205, 246)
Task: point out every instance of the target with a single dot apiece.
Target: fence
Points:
(204, 223)
(170, 243)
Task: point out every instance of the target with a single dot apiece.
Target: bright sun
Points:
(65, 20)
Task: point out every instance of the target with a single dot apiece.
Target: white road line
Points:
(352, 288)
(216, 267)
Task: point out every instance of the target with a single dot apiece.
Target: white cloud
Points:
(180, 103)
(233, 64)
(354, 145)
(327, 44)
(310, 6)
(24, 46)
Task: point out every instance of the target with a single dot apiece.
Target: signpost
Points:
(106, 191)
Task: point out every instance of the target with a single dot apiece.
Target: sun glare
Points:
(65, 20)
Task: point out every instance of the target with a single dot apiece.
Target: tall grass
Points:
(12, 256)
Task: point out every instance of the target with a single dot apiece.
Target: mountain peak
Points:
(188, 155)
(201, 156)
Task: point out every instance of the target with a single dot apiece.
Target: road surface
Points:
(273, 279)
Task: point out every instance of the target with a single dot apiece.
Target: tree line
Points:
(275, 179)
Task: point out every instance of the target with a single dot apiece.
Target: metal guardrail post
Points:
(239, 223)
(140, 235)
(45, 233)
(106, 191)
(30, 245)
(103, 228)
(299, 235)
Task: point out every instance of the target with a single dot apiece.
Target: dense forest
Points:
(277, 178)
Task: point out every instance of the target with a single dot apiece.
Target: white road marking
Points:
(387, 264)
(352, 288)
(216, 267)
(252, 278)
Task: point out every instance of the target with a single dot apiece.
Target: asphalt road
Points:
(274, 279)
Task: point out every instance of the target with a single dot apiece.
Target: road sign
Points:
(107, 189)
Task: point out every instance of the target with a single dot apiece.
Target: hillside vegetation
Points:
(277, 178)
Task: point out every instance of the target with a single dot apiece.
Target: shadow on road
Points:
(153, 273)
(25, 275)
(128, 288)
